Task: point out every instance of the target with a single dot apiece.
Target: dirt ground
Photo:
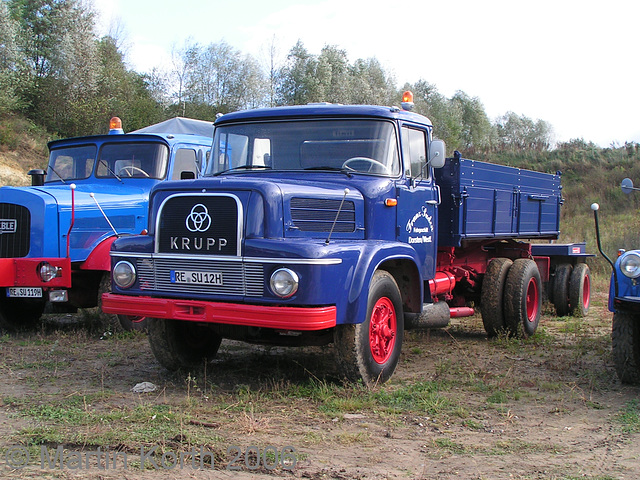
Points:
(458, 406)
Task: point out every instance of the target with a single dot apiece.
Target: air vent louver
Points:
(318, 215)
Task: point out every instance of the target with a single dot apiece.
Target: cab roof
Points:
(173, 130)
(328, 110)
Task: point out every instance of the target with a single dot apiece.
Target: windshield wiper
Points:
(332, 169)
(242, 167)
(109, 170)
(54, 171)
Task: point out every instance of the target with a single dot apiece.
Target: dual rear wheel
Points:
(511, 297)
(571, 289)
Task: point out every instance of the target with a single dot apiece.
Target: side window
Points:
(414, 150)
(185, 161)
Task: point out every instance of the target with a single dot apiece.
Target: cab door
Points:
(418, 199)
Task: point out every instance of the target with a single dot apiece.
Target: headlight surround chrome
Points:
(284, 282)
(630, 264)
(124, 274)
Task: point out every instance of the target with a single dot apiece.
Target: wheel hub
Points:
(382, 330)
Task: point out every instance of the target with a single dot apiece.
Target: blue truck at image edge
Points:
(55, 235)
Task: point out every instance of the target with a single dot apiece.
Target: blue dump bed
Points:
(483, 200)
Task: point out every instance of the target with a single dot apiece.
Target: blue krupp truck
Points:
(340, 224)
(55, 235)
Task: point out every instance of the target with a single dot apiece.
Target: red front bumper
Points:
(282, 318)
(23, 272)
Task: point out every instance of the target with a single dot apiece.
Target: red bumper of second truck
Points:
(282, 318)
(24, 272)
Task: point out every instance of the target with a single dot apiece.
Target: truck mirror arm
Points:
(595, 207)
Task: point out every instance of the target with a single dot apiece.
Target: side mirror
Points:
(627, 186)
(437, 153)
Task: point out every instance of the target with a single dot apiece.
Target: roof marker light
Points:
(115, 126)
(407, 100)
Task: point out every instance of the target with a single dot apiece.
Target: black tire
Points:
(561, 289)
(625, 346)
(182, 345)
(580, 290)
(491, 297)
(132, 322)
(113, 322)
(370, 351)
(522, 298)
(17, 314)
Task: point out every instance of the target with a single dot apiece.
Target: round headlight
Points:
(284, 282)
(124, 274)
(48, 272)
(630, 264)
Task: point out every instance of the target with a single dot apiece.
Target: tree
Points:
(476, 128)
(520, 133)
(59, 48)
(370, 84)
(219, 79)
(332, 73)
(10, 61)
(297, 77)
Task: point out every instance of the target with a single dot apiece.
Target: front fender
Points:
(374, 256)
(99, 258)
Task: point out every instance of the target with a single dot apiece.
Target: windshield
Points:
(71, 163)
(133, 160)
(124, 160)
(353, 145)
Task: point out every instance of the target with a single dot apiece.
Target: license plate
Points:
(24, 292)
(199, 278)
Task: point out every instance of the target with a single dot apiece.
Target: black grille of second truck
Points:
(199, 225)
(318, 215)
(15, 228)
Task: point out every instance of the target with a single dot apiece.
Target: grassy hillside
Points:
(23, 146)
(589, 174)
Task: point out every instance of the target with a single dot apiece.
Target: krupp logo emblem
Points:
(198, 220)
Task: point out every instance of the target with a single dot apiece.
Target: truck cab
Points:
(57, 233)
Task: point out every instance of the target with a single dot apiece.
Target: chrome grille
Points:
(242, 279)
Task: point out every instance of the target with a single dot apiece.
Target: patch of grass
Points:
(629, 417)
(450, 446)
(516, 446)
(598, 477)
(353, 438)
(472, 424)
(497, 397)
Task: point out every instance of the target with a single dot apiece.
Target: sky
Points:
(573, 64)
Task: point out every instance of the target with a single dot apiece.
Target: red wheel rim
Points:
(586, 292)
(382, 330)
(532, 300)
